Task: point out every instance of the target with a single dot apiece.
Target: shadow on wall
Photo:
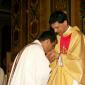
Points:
(6, 44)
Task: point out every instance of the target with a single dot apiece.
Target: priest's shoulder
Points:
(76, 31)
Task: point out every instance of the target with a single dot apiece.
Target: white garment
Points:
(33, 67)
(2, 76)
(60, 63)
(75, 82)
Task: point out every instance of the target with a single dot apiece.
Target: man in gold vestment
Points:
(68, 67)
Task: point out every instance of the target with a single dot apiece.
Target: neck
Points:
(66, 28)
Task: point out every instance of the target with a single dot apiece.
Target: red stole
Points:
(64, 42)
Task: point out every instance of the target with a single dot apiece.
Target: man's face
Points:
(59, 27)
(50, 46)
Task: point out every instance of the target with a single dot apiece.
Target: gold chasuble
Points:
(71, 67)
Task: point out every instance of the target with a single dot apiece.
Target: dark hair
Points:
(58, 16)
(48, 35)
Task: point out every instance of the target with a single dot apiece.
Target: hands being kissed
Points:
(51, 55)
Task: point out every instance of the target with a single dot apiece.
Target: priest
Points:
(68, 66)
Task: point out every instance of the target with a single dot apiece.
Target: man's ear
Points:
(48, 40)
(65, 22)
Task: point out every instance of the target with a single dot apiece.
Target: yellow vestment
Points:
(73, 66)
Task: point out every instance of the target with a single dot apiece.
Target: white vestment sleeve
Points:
(32, 68)
(39, 72)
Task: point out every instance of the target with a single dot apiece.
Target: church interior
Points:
(21, 21)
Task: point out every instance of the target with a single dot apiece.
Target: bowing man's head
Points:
(48, 40)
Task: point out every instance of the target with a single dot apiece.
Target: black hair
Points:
(58, 16)
(47, 35)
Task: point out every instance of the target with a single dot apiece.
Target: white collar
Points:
(38, 42)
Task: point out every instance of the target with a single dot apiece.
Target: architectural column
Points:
(75, 13)
(44, 14)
